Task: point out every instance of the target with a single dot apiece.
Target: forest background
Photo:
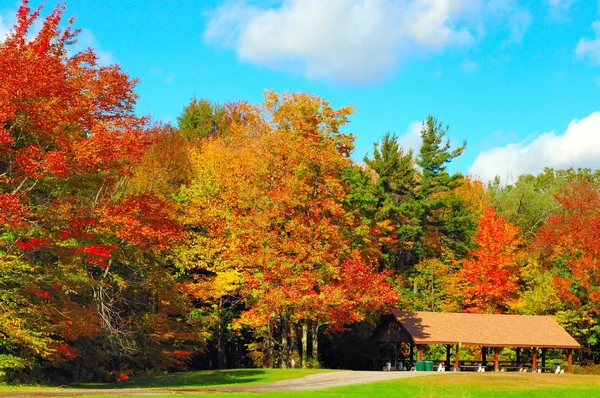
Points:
(245, 235)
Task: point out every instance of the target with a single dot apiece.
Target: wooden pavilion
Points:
(488, 331)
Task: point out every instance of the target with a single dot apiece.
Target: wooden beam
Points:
(496, 364)
(396, 356)
(411, 352)
(518, 350)
(456, 364)
(420, 353)
(534, 360)
(570, 361)
(448, 348)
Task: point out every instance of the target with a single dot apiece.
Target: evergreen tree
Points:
(442, 220)
(432, 223)
(200, 119)
(395, 168)
(397, 182)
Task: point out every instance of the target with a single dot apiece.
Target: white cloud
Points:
(578, 146)
(355, 40)
(590, 48)
(411, 139)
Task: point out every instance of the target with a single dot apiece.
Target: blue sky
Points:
(519, 80)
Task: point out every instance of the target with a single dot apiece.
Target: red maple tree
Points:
(571, 241)
(69, 141)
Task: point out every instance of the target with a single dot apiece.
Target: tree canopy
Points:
(246, 235)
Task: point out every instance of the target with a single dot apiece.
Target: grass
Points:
(464, 385)
(495, 385)
(461, 385)
(205, 378)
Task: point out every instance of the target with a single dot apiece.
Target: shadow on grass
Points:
(204, 378)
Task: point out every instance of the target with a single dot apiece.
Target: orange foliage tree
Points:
(489, 278)
(269, 198)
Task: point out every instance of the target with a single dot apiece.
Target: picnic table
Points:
(470, 366)
(546, 369)
(515, 368)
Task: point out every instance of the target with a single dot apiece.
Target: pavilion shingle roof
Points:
(492, 330)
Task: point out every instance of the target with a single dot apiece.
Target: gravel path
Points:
(311, 382)
(325, 380)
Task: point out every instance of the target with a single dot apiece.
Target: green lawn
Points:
(457, 385)
(206, 378)
(446, 385)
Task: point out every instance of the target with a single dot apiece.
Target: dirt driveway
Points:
(311, 382)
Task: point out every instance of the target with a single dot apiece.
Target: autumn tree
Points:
(570, 251)
(77, 251)
(490, 276)
(165, 166)
(269, 200)
(530, 201)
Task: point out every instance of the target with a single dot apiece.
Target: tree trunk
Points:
(293, 351)
(267, 350)
(220, 349)
(284, 358)
(315, 342)
(304, 344)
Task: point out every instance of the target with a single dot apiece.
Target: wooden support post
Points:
(456, 365)
(544, 357)
(518, 349)
(484, 356)
(496, 365)
(420, 352)
(534, 360)
(396, 356)
(448, 347)
(411, 352)
(570, 361)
